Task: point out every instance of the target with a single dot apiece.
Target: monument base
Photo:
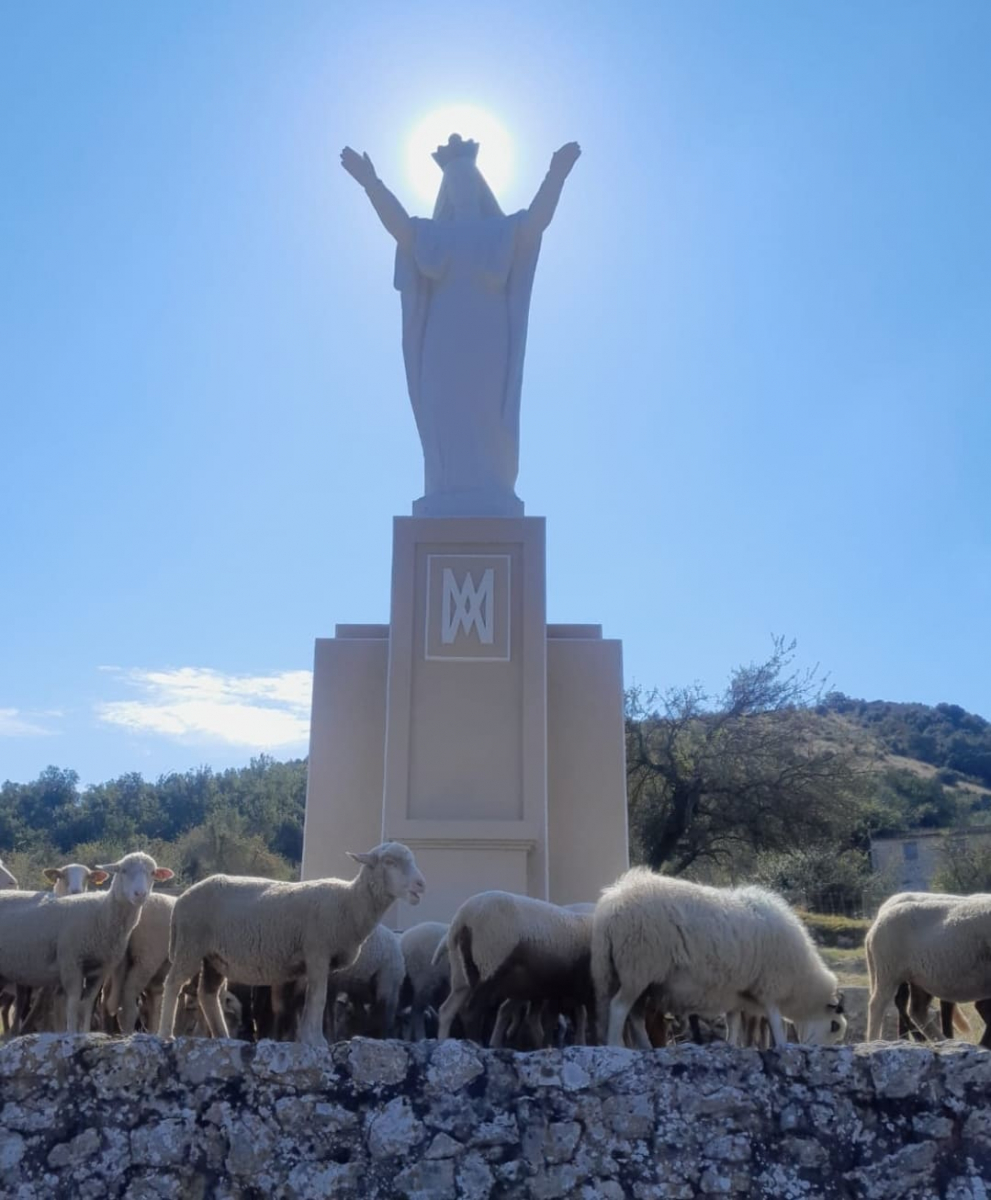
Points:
(488, 741)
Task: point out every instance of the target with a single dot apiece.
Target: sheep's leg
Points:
(211, 981)
(946, 1008)
(130, 994)
(504, 1018)
(456, 1000)
(311, 1023)
(72, 985)
(618, 1011)
(153, 994)
(984, 1012)
(580, 1023)
(385, 1014)
(636, 1026)
(777, 1025)
(180, 973)
(87, 1002)
(418, 1024)
(734, 1028)
(881, 992)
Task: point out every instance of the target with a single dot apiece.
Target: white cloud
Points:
(198, 704)
(15, 723)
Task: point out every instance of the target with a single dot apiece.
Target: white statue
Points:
(465, 278)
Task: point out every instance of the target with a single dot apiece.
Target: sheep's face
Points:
(398, 869)
(135, 875)
(74, 879)
(827, 1030)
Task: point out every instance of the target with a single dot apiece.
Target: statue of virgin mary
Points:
(465, 277)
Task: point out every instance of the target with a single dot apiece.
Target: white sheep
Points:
(502, 946)
(143, 968)
(74, 940)
(426, 983)
(74, 879)
(709, 951)
(258, 931)
(7, 880)
(938, 944)
(373, 979)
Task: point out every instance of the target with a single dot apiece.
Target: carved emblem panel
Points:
(468, 608)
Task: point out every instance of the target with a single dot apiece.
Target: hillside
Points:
(250, 820)
(945, 737)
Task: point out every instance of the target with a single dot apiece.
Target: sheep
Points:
(74, 879)
(426, 984)
(46, 1009)
(374, 978)
(143, 968)
(938, 944)
(7, 880)
(710, 951)
(75, 940)
(258, 931)
(504, 946)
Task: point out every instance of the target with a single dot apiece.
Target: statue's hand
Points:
(358, 165)
(564, 159)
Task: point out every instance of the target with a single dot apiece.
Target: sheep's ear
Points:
(160, 874)
(96, 877)
(366, 860)
(52, 874)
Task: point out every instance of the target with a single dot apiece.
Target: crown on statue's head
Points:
(456, 147)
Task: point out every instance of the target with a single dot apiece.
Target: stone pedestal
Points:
(488, 741)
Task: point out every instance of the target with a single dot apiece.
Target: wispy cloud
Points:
(197, 704)
(16, 723)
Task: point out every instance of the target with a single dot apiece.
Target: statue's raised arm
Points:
(542, 208)
(390, 212)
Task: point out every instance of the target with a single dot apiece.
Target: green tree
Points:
(713, 780)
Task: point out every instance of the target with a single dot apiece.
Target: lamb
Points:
(74, 879)
(709, 951)
(426, 983)
(143, 968)
(258, 931)
(504, 946)
(374, 978)
(7, 880)
(75, 940)
(938, 944)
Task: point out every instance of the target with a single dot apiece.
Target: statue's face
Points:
(461, 187)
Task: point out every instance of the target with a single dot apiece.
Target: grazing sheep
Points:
(373, 979)
(7, 880)
(258, 931)
(938, 944)
(74, 940)
(503, 946)
(426, 983)
(709, 951)
(143, 968)
(74, 879)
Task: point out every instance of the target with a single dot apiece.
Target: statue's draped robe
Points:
(465, 288)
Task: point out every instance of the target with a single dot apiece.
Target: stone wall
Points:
(92, 1117)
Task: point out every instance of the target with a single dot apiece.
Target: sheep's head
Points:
(397, 868)
(74, 878)
(826, 1030)
(135, 875)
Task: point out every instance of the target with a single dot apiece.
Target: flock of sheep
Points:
(259, 958)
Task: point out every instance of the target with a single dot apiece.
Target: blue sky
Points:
(757, 387)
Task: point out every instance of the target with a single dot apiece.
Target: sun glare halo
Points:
(495, 153)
